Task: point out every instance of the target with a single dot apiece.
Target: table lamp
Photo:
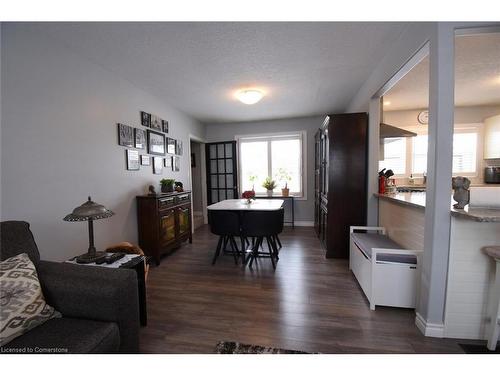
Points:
(89, 211)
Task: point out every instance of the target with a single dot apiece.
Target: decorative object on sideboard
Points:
(89, 211)
(164, 126)
(145, 119)
(461, 192)
(125, 135)
(176, 164)
(139, 139)
(178, 147)
(167, 185)
(132, 160)
(167, 162)
(151, 190)
(145, 160)
(179, 186)
(170, 146)
(156, 143)
(157, 165)
(249, 195)
(269, 184)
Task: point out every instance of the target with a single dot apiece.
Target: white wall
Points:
(304, 209)
(59, 143)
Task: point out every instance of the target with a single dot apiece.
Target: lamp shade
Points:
(89, 211)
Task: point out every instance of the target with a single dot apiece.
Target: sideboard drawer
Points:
(182, 198)
(165, 203)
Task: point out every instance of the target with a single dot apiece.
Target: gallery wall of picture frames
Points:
(162, 152)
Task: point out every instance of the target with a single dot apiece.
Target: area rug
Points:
(231, 347)
(478, 349)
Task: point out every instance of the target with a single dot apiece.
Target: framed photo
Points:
(156, 123)
(132, 160)
(125, 135)
(145, 119)
(156, 143)
(140, 138)
(193, 160)
(178, 147)
(176, 163)
(171, 146)
(145, 160)
(157, 165)
(165, 126)
(168, 162)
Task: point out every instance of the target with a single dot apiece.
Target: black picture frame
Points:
(156, 123)
(125, 135)
(132, 157)
(145, 160)
(167, 162)
(171, 146)
(178, 147)
(164, 124)
(139, 139)
(157, 165)
(176, 163)
(145, 119)
(156, 143)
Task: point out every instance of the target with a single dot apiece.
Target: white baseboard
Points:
(429, 329)
(301, 223)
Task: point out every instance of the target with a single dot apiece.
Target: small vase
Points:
(249, 201)
(167, 188)
(285, 192)
(269, 193)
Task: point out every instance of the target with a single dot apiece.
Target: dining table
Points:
(242, 205)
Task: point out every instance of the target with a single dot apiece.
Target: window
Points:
(419, 155)
(464, 152)
(394, 155)
(278, 156)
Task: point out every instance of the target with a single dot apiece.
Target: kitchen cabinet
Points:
(492, 137)
(340, 192)
(164, 222)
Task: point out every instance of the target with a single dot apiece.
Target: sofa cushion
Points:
(68, 335)
(16, 238)
(22, 304)
(367, 241)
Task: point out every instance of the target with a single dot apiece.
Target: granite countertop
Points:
(417, 199)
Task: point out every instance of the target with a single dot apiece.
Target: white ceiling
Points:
(305, 68)
(477, 76)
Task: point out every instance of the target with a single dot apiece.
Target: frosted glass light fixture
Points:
(249, 96)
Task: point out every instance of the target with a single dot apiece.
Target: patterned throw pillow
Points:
(22, 306)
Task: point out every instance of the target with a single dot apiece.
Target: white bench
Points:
(388, 274)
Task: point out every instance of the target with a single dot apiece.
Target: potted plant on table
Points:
(167, 185)
(283, 175)
(269, 184)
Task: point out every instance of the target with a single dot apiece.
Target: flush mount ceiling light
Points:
(386, 103)
(249, 96)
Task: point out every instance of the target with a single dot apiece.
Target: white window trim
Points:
(303, 157)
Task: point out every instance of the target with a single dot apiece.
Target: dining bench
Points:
(388, 274)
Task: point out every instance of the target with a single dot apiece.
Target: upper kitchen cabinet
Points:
(492, 137)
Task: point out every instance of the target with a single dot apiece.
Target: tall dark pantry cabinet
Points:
(340, 186)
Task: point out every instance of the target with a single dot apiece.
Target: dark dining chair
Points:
(263, 225)
(226, 225)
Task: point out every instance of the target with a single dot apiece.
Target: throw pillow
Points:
(22, 305)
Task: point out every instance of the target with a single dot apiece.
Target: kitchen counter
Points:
(417, 199)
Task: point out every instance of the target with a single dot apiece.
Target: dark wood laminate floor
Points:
(309, 303)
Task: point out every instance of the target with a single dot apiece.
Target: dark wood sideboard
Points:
(340, 194)
(164, 222)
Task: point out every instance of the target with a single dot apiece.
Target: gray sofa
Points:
(99, 306)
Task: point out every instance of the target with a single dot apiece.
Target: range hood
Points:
(389, 131)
